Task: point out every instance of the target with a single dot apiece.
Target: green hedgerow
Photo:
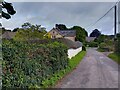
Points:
(26, 65)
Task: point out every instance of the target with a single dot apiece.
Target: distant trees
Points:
(28, 25)
(81, 33)
(95, 33)
(61, 26)
(4, 30)
(105, 42)
(15, 29)
(29, 32)
(101, 38)
(9, 8)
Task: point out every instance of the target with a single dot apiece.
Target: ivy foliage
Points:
(27, 65)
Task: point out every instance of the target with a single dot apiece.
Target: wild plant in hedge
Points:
(27, 65)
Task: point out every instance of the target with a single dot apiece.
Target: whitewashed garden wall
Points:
(73, 52)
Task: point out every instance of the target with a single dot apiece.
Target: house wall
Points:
(70, 38)
(55, 34)
(58, 36)
(73, 52)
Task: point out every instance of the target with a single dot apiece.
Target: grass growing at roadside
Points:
(114, 57)
(73, 62)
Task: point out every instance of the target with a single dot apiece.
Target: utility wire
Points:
(104, 15)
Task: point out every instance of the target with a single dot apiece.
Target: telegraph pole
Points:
(115, 22)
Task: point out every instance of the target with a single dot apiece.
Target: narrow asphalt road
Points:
(95, 71)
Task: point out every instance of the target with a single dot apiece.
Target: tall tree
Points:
(61, 26)
(30, 32)
(26, 25)
(81, 33)
(15, 29)
(95, 33)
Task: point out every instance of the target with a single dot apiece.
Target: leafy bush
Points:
(109, 46)
(73, 62)
(117, 44)
(27, 65)
(92, 44)
(81, 33)
(83, 48)
(28, 34)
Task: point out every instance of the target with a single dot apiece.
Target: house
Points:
(90, 39)
(55, 33)
(68, 34)
(8, 35)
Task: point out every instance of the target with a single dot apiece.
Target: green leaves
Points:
(72, 63)
(81, 33)
(30, 32)
(27, 65)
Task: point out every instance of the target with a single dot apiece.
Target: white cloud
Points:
(70, 14)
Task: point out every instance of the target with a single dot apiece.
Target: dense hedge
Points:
(92, 44)
(73, 62)
(26, 65)
(117, 45)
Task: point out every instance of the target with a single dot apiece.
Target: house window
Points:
(53, 37)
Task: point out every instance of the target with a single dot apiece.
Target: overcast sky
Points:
(48, 14)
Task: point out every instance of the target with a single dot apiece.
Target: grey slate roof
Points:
(67, 33)
(90, 39)
(8, 35)
(70, 43)
(78, 44)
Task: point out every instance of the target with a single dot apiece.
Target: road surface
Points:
(95, 71)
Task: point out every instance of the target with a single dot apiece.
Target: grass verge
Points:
(73, 62)
(114, 57)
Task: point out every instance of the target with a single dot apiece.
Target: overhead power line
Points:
(103, 15)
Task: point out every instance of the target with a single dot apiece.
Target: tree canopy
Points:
(101, 38)
(4, 30)
(95, 33)
(61, 26)
(15, 29)
(81, 33)
(30, 32)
